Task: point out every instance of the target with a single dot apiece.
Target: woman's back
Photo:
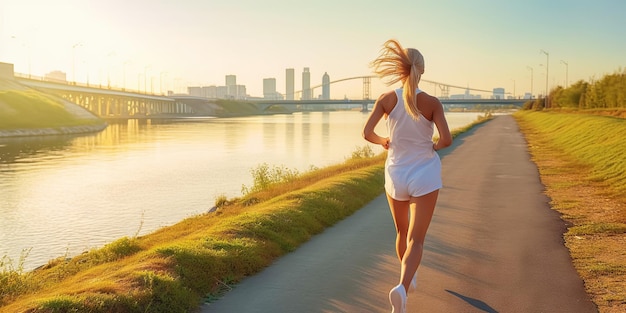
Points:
(410, 139)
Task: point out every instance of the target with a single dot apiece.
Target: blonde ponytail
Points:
(398, 64)
(408, 93)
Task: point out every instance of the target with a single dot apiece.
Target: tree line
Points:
(609, 92)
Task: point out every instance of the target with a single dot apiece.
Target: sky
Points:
(159, 45)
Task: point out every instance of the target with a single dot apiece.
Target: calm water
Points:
(67, 194)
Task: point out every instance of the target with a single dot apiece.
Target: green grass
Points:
(25, 109)
(244, 108)
(598, 228)
(175, 268)
(601, 268)
(594, 141)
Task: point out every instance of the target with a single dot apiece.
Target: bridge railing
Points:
(88, 85)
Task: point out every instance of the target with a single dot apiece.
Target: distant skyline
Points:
(174, 44)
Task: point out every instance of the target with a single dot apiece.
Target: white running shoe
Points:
(414, 282)
(397, 297)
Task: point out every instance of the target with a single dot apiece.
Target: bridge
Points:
(105, 101)
(365, 103)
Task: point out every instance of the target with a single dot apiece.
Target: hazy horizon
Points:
(482, 44)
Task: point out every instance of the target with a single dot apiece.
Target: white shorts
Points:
(413, 180)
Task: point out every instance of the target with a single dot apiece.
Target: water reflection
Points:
(22, 149)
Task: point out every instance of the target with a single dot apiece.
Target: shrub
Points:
(263, 177)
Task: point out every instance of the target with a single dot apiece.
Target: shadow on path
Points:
(474, 302)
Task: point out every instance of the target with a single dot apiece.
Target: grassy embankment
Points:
(230, 108)
(24, 108)
(177, 267)
(582, 162)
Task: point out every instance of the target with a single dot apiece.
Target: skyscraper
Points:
(231, 86)
(325, 87)
(306, 84)
(269, 89)
(289, 86)
(231, 80)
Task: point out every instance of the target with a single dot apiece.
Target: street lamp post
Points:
(109, 56)
(145, 79)
(531, 81)
(29, 61)
(74, 61)
(547, 69)
(161, 82)
(27, 46)
(513, 88)
(566, 70)
(124, 73)
(177, 87)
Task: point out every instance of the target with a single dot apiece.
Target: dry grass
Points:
(596, 210)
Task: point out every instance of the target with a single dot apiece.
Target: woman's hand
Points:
(385, 143)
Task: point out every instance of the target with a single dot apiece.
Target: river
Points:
(61, 195)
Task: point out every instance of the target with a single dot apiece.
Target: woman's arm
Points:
(445, 138)
(377, 113)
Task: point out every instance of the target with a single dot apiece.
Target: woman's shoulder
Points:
(428, 104)
(426, 96)
(389, 96)
(431, 100)
(388, 100)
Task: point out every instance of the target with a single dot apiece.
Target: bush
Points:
(363, 152)
(263, 177)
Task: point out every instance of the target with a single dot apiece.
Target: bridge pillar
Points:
(445, 91)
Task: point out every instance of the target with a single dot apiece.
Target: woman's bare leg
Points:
(421, 213)
(400, 214)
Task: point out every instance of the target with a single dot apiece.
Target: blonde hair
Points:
(398, 64)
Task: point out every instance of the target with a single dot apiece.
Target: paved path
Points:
(494, 246)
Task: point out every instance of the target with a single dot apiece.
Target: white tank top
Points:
(411, 141)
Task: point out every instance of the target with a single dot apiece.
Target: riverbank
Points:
(52, 131)
(582, 163)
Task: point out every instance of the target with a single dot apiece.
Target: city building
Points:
(56, 76)
(306, 84)
(269, 89)
(498, 93)
(218, 92)
(325, 87)
(465, 95)
(209, 92)
(289, 84)
(240, 92)
(6, 71)
(231, 83)
(231, 80)
(194, 91)
(221, 92)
